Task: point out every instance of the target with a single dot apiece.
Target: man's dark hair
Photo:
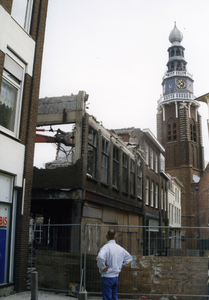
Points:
(111, 234)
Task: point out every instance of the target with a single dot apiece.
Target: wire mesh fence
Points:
(56, 255)
(167, 262)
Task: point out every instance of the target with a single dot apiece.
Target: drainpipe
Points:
(198, 220)
(144, 231)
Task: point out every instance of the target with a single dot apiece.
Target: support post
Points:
(82, 295)
(34, 286)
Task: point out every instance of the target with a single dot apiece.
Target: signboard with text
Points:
(3, 239)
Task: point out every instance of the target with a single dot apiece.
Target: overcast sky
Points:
(116, 51)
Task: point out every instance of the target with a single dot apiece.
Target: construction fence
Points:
(167, 262)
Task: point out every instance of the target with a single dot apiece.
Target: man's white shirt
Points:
(114, 256)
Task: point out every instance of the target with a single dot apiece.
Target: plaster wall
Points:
(15, 38)
(12, 161)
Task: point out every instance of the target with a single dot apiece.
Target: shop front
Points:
(8, 204)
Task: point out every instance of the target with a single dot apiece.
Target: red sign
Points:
(3, 221)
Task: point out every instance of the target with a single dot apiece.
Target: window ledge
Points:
(105, 184)
(115, 188)
(88, 176)
(125, 193)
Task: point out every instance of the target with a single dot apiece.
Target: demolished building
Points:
(102, 184)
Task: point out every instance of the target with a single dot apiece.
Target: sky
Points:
(116, 51)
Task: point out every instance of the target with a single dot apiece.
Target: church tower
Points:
(179, 126)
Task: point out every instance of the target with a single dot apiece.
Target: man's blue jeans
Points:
(109, 288)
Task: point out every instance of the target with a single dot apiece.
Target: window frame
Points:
(165, 199)
(147, 153)
(94, 146)
(115, 169)
(125, 173)
(193, 132)
(156, 195)
(132, 177)
(152, 193)
(147, 191)
(105, 157)
(139, 182)
(14, 73)
(171, 131)
(27, 14)
(151, 158)
(162, 198)
(156, 163)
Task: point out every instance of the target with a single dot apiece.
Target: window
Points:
(156, 195)
(177, 195)
(151, 158)
(11, 96)
(152, 193)
(193, 131)
(165, 199)
(125, 174)
(174, 131)
(139, 182)
(22, 11)
(171, 131)
(156, 163)
(92, 152)
(132, 181)
(171, 213)
(147, 191)
(115, 178)
(162, 199)
(105, 161)
(147, 153)
(162, 163)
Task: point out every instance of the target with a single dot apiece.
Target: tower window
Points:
(171, 132)
(174, 131)
(179, 68)
(172, 66)
(172, 52)
(193, 132)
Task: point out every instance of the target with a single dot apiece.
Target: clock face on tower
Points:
(181, 83)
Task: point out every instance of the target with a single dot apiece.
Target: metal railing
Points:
(167, 262)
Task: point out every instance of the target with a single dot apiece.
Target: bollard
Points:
(82, 295)
(34, 286)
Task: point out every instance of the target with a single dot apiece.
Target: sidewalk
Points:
(42, 295)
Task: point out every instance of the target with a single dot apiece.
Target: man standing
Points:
(110, 260)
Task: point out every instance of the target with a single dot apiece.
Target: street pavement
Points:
(42, 295)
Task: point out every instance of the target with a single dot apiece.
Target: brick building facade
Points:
(21, 49)
(155, 184)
